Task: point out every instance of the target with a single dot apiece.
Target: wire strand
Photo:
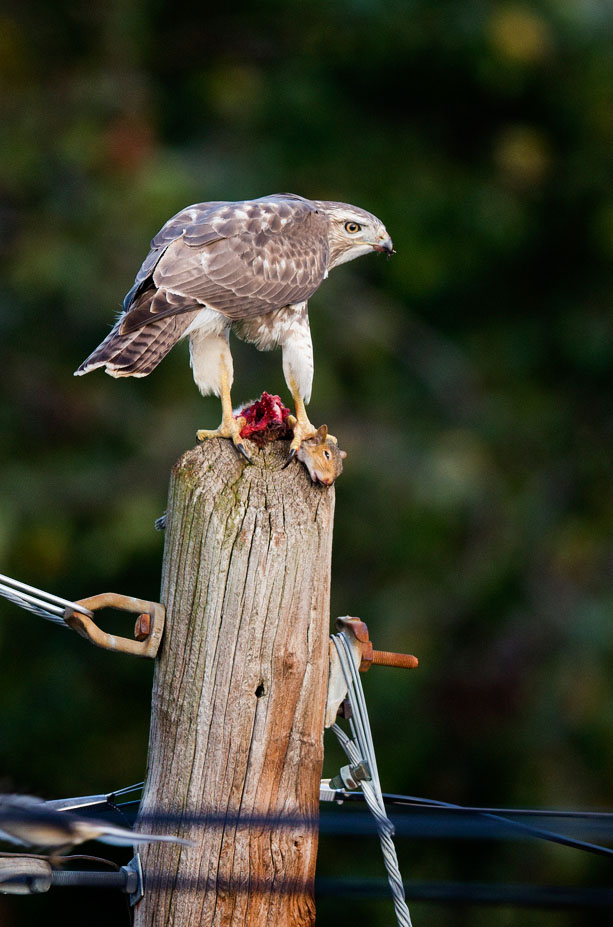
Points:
(361, 748)
(29, 606)
(38, 602)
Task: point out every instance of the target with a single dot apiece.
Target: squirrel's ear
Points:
(322, 432)
(343, 454)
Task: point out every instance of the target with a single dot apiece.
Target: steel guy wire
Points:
(22, 601)
(44, 604)
(362, 748)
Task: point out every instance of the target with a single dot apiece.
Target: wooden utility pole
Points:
(239, 691)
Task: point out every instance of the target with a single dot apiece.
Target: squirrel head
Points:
(321, 456)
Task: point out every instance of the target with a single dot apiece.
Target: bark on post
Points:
(239, 690)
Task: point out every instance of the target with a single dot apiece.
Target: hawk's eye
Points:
(352, 227)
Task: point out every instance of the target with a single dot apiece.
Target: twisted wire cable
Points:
(359, 748)
(44, 604)
(19, 599)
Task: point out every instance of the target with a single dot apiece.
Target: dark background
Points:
(468, 379)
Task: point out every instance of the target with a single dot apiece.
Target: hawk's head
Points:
(353, 232)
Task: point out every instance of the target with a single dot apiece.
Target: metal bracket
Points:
(363, 655)
(358, 630)
(337, 687)
(134, 879)
(326, 793)
(148, 630)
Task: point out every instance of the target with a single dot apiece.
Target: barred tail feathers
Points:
(136, 353)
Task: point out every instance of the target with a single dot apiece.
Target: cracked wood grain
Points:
(239, 691)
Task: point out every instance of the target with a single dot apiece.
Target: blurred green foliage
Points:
(468, 379)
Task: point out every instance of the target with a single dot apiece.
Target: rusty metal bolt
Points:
(387, 658)
(359, 629)
(142, 628)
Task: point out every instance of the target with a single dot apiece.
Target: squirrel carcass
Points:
(268, 419)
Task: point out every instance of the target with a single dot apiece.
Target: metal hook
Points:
(148, 630)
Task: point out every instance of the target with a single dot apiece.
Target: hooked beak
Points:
(385, 245)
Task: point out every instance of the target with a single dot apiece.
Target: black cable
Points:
(127, 811)
(548, 835)
(425, 803)
(365, 826)
(411, 801)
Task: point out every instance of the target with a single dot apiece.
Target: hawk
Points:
(250, 266)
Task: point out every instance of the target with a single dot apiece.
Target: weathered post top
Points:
(239, 691)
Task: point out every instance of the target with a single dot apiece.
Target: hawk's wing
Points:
(188, 218)
(242, 259)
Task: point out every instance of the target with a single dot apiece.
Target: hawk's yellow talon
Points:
(229, 429)
(302, 430)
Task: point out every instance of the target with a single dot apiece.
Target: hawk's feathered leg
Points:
(298, 372)
(211, 362)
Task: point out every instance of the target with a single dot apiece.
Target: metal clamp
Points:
(350, 776)
(359, 630)
(363, 657)
(147, 631)
(134, 879)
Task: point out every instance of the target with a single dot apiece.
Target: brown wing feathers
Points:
(240, 259)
